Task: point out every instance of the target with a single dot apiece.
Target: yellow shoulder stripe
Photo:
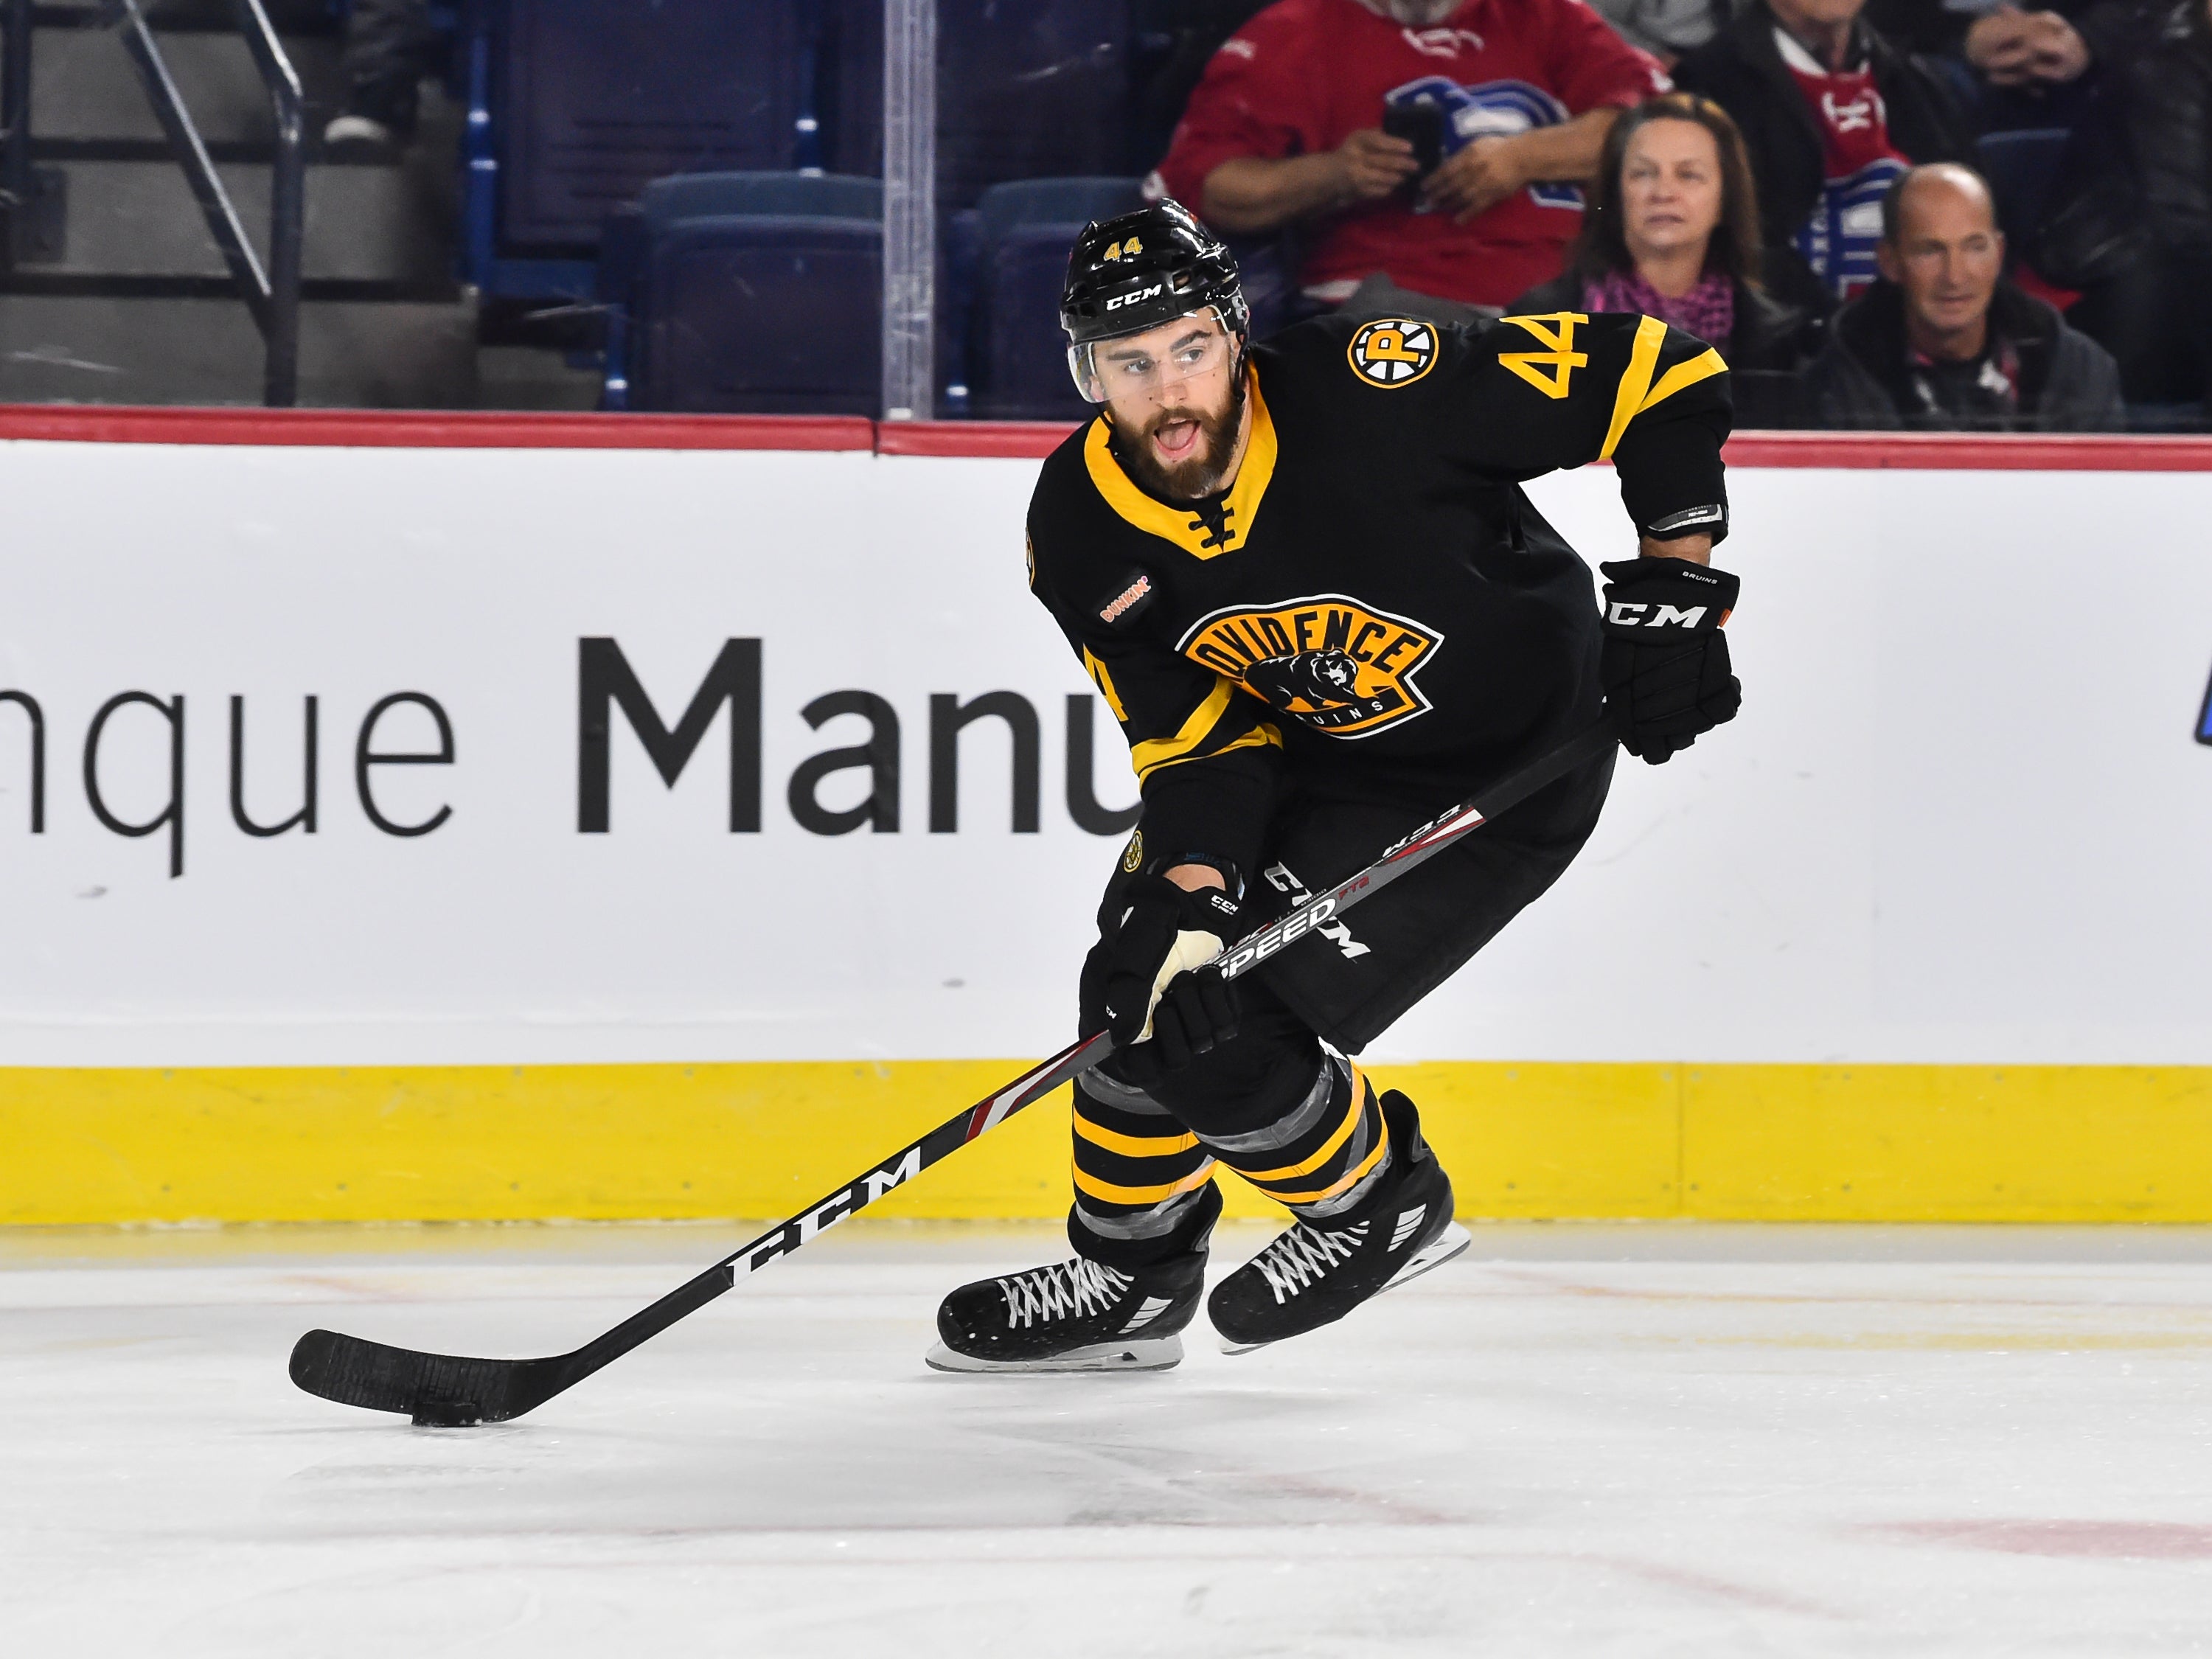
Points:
(1636, 393)
(1635, 380)
(1179, 525)
(1703, 367)
(1104, 681)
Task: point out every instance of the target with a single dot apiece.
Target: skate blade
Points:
(1158, 1354)
(1438, 1250)
(1434, 1254)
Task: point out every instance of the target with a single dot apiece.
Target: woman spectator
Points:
(1671, 230)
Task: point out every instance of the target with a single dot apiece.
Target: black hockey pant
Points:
(1282, 1103)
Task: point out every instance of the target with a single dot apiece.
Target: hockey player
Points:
(1306, 580)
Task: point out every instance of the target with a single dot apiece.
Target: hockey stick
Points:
(448, 1391)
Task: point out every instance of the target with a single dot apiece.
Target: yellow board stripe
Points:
(1133, 1146)
(1111, 1194)
(1344, 1182)
(1635, 380)
(1649, 1140)
(1683, 375)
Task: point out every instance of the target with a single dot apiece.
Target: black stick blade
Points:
(440, 1390)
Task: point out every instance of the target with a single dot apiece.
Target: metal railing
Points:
(271, 294)
(16, 183)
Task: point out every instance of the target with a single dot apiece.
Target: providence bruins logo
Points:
(1393, 351)
(1342, 667)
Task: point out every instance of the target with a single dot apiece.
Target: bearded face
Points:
(1182, 454)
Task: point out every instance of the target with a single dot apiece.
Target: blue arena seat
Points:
(746, 293)
(1017, 364)
(2020, 166)
(596, 99)
(574, 104)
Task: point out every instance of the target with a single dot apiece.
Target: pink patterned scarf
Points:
(1707, 311)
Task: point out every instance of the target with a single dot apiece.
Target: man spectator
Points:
(1832, 115)
(1944, 342)
(1504, 103)
(2129, 221)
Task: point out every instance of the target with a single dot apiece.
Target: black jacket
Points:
(1741, 70)
(1770, 335)
(1860, 381)
(2136, 176)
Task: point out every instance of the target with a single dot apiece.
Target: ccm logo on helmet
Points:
(1627, 614)
(1120, 300)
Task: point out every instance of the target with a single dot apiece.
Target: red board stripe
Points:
(1967, 451)
(413, 428)
(1017, 439)
(1853, 450)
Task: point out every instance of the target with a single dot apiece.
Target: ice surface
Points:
(1575, 1441)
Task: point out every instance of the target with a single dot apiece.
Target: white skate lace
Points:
(1305, 1255)
(1068, 1289)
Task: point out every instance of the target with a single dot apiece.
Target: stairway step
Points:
(59, 348)
(84, 86)
(363, 224)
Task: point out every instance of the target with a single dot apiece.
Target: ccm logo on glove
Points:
(1665, 661)
(1627, 614)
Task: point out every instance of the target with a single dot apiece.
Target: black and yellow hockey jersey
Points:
(1374, 608)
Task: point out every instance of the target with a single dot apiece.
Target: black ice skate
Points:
(1320, 1271)
(1076, 1315)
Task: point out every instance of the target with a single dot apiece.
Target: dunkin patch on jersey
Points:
(1393, 351)
(1341, 666)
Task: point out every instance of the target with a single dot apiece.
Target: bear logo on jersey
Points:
(1342, 667)
(1393, 351)
(1322, 677)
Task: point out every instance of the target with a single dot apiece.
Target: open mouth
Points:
(1175, 440)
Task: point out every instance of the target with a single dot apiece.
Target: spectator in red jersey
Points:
(1673, 232)
(1833, 115)
(1496, 110)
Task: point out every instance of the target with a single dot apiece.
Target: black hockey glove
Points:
(1666, 661)
(1137, 980)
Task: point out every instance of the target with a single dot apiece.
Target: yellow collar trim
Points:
(1182, 525)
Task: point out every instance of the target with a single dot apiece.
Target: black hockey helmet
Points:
(1137, 270)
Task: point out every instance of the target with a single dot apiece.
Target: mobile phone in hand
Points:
(1422, 125)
